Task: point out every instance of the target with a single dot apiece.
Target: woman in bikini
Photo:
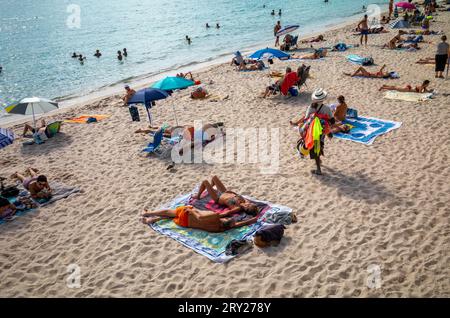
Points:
(235, 202)
(361, 71)
(418, 89)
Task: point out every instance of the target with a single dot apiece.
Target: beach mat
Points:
(83, 119)
(59, 190)
(408, 96)
(366, 129)
(212, 245)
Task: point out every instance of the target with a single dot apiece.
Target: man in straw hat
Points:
(324, 115)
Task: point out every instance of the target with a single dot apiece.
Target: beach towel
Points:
(356, 59)
(366, 129)
(83, 119)
(59, 191)
(212, 245)
(408, 96)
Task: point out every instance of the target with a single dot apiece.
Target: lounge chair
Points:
(303, 76)
(157, 140)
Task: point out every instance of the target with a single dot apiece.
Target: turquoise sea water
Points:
(37, 37)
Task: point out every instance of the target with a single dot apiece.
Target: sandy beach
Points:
(384, 205)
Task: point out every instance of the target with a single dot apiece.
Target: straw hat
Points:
(319, 95)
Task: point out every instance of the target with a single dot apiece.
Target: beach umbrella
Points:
(32, 106)
(147, 96)
(287, 29)
(399, 24)
(172, 83)
(6, 137)
(406, 5)
(269, 53)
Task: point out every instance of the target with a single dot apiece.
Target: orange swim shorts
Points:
(182, 216)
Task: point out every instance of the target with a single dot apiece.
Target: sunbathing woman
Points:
(235, 202)
(361, 71)
(319, 38)
(319, 53)
(418, 89)
(37, 185)
(188, 216)
(428, 60)
(187, 131)
(392, 44)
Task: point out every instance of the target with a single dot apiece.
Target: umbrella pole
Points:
(34, 118)
(149, 115)
(175, 114)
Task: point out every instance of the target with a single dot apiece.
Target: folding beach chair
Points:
(158, 146)
(304, 74)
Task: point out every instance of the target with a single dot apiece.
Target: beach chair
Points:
(294, 42)
(304, 74)
(158, 146)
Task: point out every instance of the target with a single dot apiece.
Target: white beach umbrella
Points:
(32, 106)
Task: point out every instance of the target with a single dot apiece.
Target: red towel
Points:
(290, 80)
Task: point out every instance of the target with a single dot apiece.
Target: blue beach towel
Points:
(356, 59)
(211, 245)
(366, 129)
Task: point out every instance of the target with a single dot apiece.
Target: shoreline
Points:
(78, 101)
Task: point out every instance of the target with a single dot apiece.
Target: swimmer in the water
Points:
(279, 12)
(273, 12)
(188, 39)
(207, 25)
(74, 55)
(119, 55)
(217, 26)
(81, 58)
(125, 53)
(97, 53)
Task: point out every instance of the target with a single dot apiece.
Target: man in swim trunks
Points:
(275, 30)
(235, 202)
(361, 71)
(188, 216)
(363, 26)
(37, 185)
(129, 93)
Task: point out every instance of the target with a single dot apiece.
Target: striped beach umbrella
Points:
(6, 137)
(32, 106)
(287, 29)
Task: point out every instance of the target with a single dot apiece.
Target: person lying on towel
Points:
(408, 88)
(188, 216)
(361, 71)
(37, 185)
(224, 197)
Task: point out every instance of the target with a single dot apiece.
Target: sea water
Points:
(37, 37)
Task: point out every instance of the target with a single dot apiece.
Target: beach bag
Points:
(367, 61)
(293, 91)
(91, 120)
(134, 112)
(352, 113)
(341, 47)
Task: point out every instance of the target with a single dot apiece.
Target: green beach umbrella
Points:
(32, 106)
(171, 83)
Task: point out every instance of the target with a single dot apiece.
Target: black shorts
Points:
(441, 61)
(313, 155)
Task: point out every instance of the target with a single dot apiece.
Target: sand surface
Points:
(384, 205)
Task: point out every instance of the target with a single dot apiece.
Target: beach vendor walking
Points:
(441, 58)
(317, 124)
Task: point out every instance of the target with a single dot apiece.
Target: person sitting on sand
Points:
(37, 185)
(287, 42)
(339, 114)
(392, 44)
(224, 197)
(199, 93)
(238, 60)
(41, 130)
(186, 75)
(319, 38)
(7, 209)
(190, 217)
(319, 53)
(258, 66)
(129, 93)
(408, 88)
(361, 71)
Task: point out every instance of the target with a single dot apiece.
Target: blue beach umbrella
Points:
(171, 83)
(6, 137)
(271, 53)
(147, 96)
